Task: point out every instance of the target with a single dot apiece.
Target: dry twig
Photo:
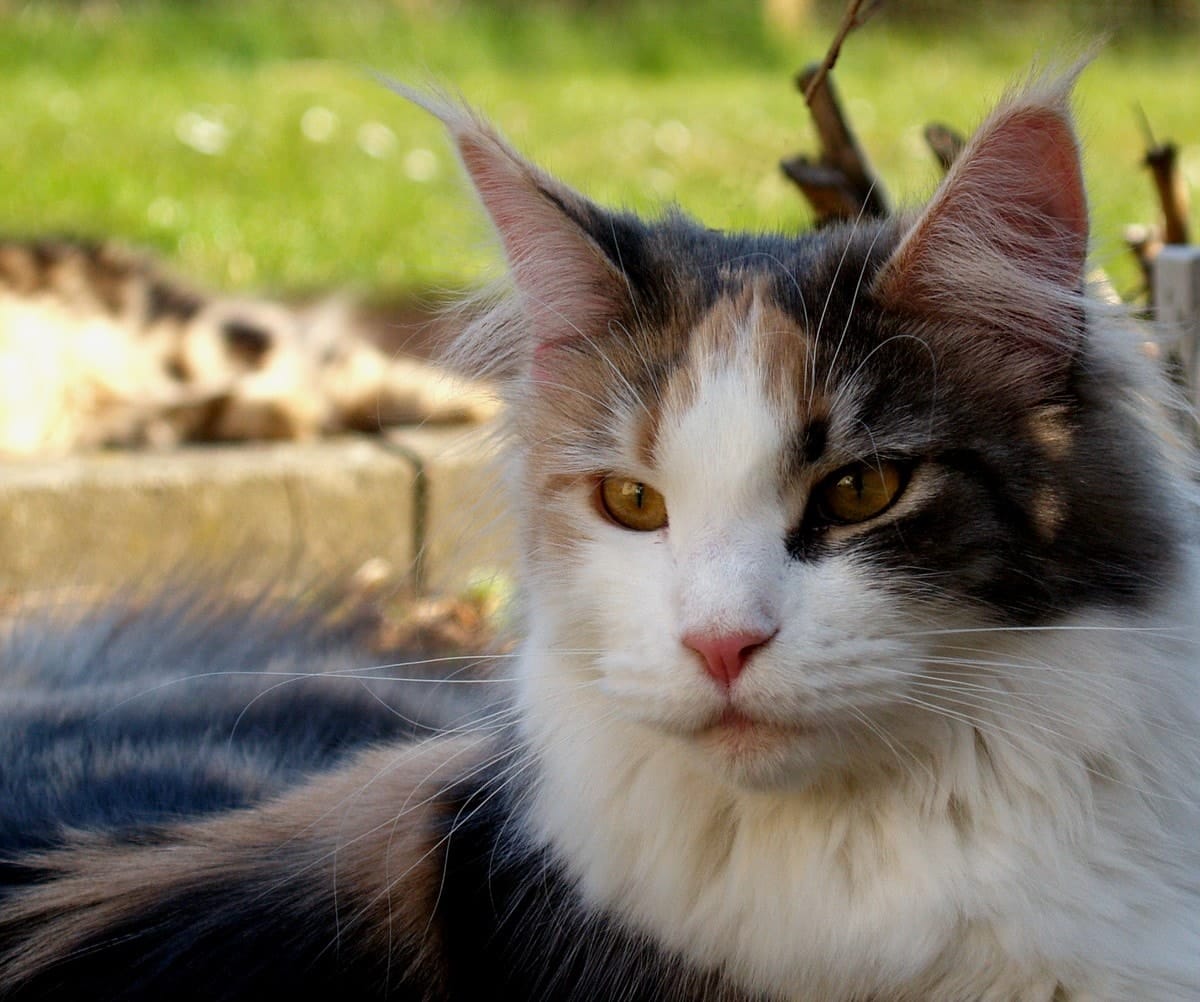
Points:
(1145, 242)
(855, 16)
(945, 143)
(1163, 161)
(838, 184)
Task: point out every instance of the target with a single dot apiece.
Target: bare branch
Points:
(945, 143)
(856, 14)
(839, 184)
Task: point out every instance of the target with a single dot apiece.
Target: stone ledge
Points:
(426, 501)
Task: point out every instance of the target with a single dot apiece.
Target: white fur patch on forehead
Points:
(719, 444)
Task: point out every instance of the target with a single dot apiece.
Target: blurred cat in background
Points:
(101, 347)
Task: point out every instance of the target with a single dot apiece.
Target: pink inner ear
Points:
(1049, 135)
(1016, 191)
(999, 252)
(566, 285)
(1047, 211)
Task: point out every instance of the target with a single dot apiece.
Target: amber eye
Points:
(859, 492)
(632, 504)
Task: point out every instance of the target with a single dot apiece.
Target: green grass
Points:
(181, 126)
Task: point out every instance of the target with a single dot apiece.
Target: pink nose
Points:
(725, 654)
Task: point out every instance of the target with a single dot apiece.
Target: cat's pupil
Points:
(632, 504)
(860, 492)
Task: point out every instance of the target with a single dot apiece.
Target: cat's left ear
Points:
(563, 252)
(1000, 250)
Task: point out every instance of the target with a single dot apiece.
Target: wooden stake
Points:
(945, 143)
(854, 16)
(1163, 161)
(839, 184)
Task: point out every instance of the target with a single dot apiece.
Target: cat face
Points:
(767, 482)
(754, 622)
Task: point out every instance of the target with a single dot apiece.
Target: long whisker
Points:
(953, 631)
(862, 271)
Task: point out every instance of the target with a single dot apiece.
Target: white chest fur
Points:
(991, 870)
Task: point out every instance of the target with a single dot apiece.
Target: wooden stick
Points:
(1163, 161)
(945, 143)
(828, 191)
(839, 184)
(854, 16)
(856, 189)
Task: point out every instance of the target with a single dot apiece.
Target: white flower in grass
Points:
(164, 212)
(661, 182)
(420, 165)
(673, 138)
(202, 133)
(241, 267)
(65, 106)
(318, 124)
(637, 135)
(376, 140)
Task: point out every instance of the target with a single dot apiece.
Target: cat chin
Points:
(764, 764)
(762, 755)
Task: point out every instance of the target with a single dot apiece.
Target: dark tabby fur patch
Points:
(452, 906)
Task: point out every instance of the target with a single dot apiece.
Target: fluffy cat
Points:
(101, 347)
(860, 659)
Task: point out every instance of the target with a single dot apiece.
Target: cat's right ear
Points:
(567, 272)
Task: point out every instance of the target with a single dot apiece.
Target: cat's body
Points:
(861, 660)
(101, 347)
(140, 712)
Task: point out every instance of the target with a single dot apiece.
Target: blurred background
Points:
(249, 144)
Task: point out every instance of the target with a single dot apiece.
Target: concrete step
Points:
(422, 504)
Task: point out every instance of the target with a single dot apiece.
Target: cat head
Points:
(761, 478)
